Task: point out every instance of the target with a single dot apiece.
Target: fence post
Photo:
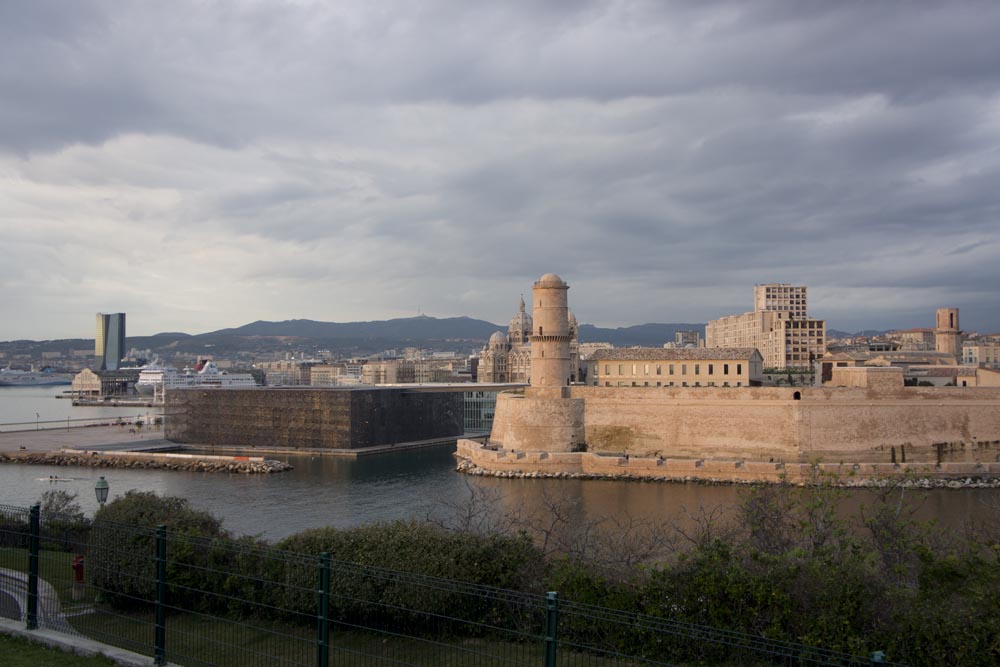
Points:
(551, 623)
(160, 642)
(323, 612)
(34, 522)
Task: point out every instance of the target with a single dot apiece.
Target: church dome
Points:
(498, 339)
(551, 280)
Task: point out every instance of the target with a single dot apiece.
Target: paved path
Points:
(14, 585)
(80, 437)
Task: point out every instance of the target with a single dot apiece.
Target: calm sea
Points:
(323, 491)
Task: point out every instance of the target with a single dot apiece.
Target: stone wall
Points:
(833, 424)
(296, 418)
(476, 459)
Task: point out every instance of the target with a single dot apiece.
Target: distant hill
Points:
(450, 333)
(645, 335)
(407, 328)
(837, 333)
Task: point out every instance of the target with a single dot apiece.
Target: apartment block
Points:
(779, 327)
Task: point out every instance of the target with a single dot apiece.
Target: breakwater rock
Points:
(185, 462)
(955, 482)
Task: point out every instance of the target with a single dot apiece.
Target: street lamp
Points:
(101, 488)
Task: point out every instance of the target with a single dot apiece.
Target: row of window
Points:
(670, 369)
(669, 384)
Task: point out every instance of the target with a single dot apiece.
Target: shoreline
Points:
(162, 461)
(970, 482)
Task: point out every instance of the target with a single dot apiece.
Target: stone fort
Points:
(865, 423)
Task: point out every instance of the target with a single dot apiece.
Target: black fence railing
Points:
(213, 602)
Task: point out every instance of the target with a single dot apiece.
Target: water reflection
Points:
(341, 492)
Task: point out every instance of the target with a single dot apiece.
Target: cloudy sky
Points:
(200, 165)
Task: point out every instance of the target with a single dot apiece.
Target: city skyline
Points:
(205, 166)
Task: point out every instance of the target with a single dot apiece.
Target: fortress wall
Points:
(587, 464)
(859, 424)
(689, 422)
(537, 423)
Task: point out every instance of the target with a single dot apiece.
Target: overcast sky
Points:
(201, 165)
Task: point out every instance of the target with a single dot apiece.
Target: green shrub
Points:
(122, 547)
(391, 597)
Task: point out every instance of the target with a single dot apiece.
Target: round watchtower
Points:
(550, 340)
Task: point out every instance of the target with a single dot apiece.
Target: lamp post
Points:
(101, 489)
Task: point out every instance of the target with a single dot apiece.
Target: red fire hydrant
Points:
(77, 578)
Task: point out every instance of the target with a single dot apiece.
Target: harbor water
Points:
(342, 492)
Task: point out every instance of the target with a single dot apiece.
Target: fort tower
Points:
(550, 340)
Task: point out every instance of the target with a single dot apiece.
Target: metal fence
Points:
(192, 601)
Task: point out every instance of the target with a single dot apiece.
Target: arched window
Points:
(797, 396)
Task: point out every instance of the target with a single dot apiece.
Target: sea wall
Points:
(477, 459)
(309, 418)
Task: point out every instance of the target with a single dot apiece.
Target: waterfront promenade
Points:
(80, 437)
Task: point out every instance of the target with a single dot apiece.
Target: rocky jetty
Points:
(234, 464)
(963, 482)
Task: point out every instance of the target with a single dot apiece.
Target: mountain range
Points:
(451, 333)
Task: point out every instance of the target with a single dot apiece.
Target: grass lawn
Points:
(16, 652)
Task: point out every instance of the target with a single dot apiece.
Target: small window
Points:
(645, 369)
(621, 369)
(725, 369)
(684, 369)
(606, 371)
(739, 369)
(671, 384)
(739, 384)
(684, 384)
(633, 369)
(659, 384)
(659, 369)
(697, 369)
(711, 369)
(670, 370)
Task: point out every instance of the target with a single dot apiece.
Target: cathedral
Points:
(507, 358)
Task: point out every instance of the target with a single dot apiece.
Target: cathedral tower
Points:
(550, 342)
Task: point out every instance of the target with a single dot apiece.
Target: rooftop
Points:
(669, 354)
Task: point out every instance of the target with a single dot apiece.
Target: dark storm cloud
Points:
(663, 156)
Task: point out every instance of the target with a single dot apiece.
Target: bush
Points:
(387, 598)
(122, 546)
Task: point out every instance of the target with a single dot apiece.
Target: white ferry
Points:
(154, 379)
(13, 378)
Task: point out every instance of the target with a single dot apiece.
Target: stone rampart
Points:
(477, 459)
(856, 425)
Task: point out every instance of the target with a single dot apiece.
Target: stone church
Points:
(507, 358)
